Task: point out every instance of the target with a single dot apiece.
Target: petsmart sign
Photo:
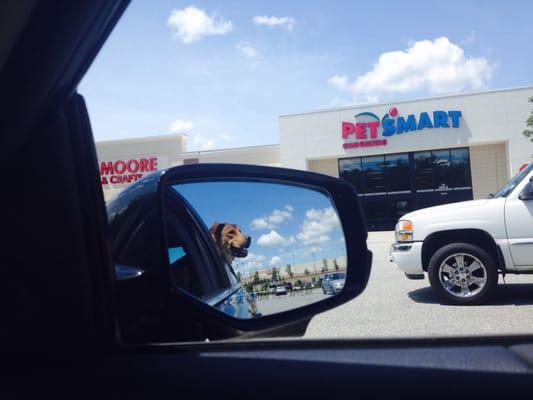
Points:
(369, 130)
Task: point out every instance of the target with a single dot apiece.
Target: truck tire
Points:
(463, 274)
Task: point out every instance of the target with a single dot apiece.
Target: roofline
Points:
(264, 146)
(366, 105)
(171, 136)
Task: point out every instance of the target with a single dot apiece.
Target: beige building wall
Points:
(327, 166)
(259, 155)
(170, 150)
(490, 168)
(165, 148)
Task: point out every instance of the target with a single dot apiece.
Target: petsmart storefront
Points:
(414, 154)
(400, 156)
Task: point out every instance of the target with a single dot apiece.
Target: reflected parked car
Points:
(281, 290)
(333, 283)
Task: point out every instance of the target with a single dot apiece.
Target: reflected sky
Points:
(287, 224)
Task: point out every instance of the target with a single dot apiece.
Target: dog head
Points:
(230, 240)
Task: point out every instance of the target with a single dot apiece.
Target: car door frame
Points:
(520, 246)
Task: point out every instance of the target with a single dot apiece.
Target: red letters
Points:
(136, 165)
(347, 129)
(122, 172)
(373, 129)
(119, 164)
(367, 143)
(360, 130)
(144, 164)
(152, 164)
(106, 168)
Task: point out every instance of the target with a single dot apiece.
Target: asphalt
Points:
(393, 306)
(290, 301)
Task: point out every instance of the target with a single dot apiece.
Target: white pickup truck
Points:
(464, 246)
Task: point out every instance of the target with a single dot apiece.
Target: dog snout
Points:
(248, 241)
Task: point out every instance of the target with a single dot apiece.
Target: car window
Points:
(136, 251)
(424, 119)
(515, 181)
(192, 271)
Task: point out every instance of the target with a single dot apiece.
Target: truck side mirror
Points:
(527, 191)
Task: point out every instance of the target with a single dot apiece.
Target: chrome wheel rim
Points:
(462, 275)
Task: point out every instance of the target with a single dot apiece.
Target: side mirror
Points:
(240, 248)
(527, 191)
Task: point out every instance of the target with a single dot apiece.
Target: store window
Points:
(374, 174)
(442, 169)
(434, 170)
(460, 168)
(442, 173)
(423, 171)
(397, 172)
(350, 170)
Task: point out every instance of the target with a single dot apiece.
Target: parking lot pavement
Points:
(275, 304)
(393, 306)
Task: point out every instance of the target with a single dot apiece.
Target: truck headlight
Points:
(404, 231)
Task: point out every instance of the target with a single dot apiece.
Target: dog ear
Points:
(215, 230)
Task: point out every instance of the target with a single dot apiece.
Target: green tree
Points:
(288, 270)
(306, 271)
(274, 275)
(529, 132)
(325, 262)
(255, 279)
(335, 264)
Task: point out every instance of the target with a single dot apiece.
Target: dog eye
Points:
(231, 232)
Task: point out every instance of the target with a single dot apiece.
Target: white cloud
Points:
(274, 219)
(181, 126)
(437, 66)
(283, 22)
(275, 260)
(317, 225)
(247, 49)
(312, 250)
(203, 143)
(226, 137)
(272, 239)
(253, 261)
(191, 24)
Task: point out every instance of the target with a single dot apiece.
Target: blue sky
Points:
(287, 224)
(222, 72)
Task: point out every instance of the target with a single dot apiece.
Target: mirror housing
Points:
(177, 306)
(527, 191)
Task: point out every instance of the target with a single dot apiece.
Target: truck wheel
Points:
(463, 274)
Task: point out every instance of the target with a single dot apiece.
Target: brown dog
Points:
(231, 242)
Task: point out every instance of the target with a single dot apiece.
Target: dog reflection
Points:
(230, 241)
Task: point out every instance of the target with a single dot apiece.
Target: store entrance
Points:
(392, 185)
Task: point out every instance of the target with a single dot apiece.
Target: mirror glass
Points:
(270, 247)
